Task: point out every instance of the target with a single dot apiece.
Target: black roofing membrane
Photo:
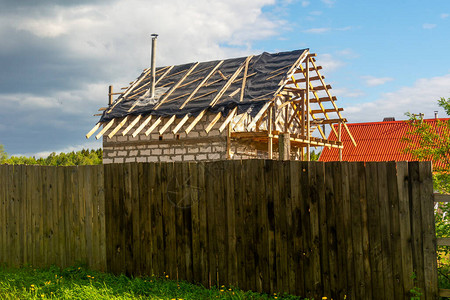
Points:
(258, 89)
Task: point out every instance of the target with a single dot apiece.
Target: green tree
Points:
(426, 142)
(3, 154)
(79, 158)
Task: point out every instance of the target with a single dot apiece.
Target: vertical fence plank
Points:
(405, 226)
(3, 187)
(317, 194)
(329, 195)
(356, 233)
(263, 230)
(365, 230)
(169, 208)
(221, 223)
(229, 173)
(375, 248)
(296, 262)
(203, 225)
(416, 224)
(391, 169)
(143, 210)
(385, 226)
(348, 230)
(428, 231)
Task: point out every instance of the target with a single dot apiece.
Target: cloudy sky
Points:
(57, 58)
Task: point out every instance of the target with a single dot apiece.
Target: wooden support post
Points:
(339, 139)
(229, 142)
(269, 131)
(110, 95)
(284, 146)
(308, 129)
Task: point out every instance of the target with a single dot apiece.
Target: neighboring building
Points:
(377, 141)
(227, 109)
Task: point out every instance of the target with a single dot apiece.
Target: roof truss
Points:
(302, 105)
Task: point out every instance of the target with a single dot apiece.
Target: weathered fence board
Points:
(336, 230)
(52, 216)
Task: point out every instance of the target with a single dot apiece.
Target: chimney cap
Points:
(389, 119)
(154, 35)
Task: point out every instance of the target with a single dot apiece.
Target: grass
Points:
(80, 283)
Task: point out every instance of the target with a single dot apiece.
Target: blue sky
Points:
(382, 58)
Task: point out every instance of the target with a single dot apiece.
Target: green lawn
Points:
(80, 283)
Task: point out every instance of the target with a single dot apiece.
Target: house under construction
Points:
(271, 106)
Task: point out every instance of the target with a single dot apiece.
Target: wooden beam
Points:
(323, 99)
(213, 122)
(196, 120)
(201, 84)
(320, 88)
(228, 119)
(269, 133)
(105, 128)
(229, 141)
(94, 129)
(259, 114)
(162, 100)
(110, 95)
(444, 293)
(135, 121)
(308, 133)
(163, 129)
(441, 198)
(300, 80)
(229, 82)
(179, 125)
(153, 126)
(120, 125)
(311, 69)
(328, 110)
(130, 88)
(443, 241)
(327, 121)
(242, 118)
(139, 129)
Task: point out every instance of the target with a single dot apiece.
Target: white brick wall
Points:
(195, 146)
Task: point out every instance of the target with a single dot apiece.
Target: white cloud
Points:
(305, 3)
(428, 26)
(315, 13)
(444, 16)
(375, 81)
(329, 3)
(321, 30)
(317, 30)
(421, 97)
(329, 63)
(347, 93)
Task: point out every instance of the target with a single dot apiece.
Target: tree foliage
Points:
(3, 154)
(433, 143)
(79, 158)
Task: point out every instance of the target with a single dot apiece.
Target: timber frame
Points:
(299, 110)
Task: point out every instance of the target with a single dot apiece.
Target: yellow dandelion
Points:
(167, 276)
(324, 298)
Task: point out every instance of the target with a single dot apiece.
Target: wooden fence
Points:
(52, 215)
(353, 230)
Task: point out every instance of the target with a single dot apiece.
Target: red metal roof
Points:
(377, 141)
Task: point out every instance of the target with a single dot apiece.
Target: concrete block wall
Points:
(168, 147)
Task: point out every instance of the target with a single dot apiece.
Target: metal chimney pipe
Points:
(154, 37)
(435, 114)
